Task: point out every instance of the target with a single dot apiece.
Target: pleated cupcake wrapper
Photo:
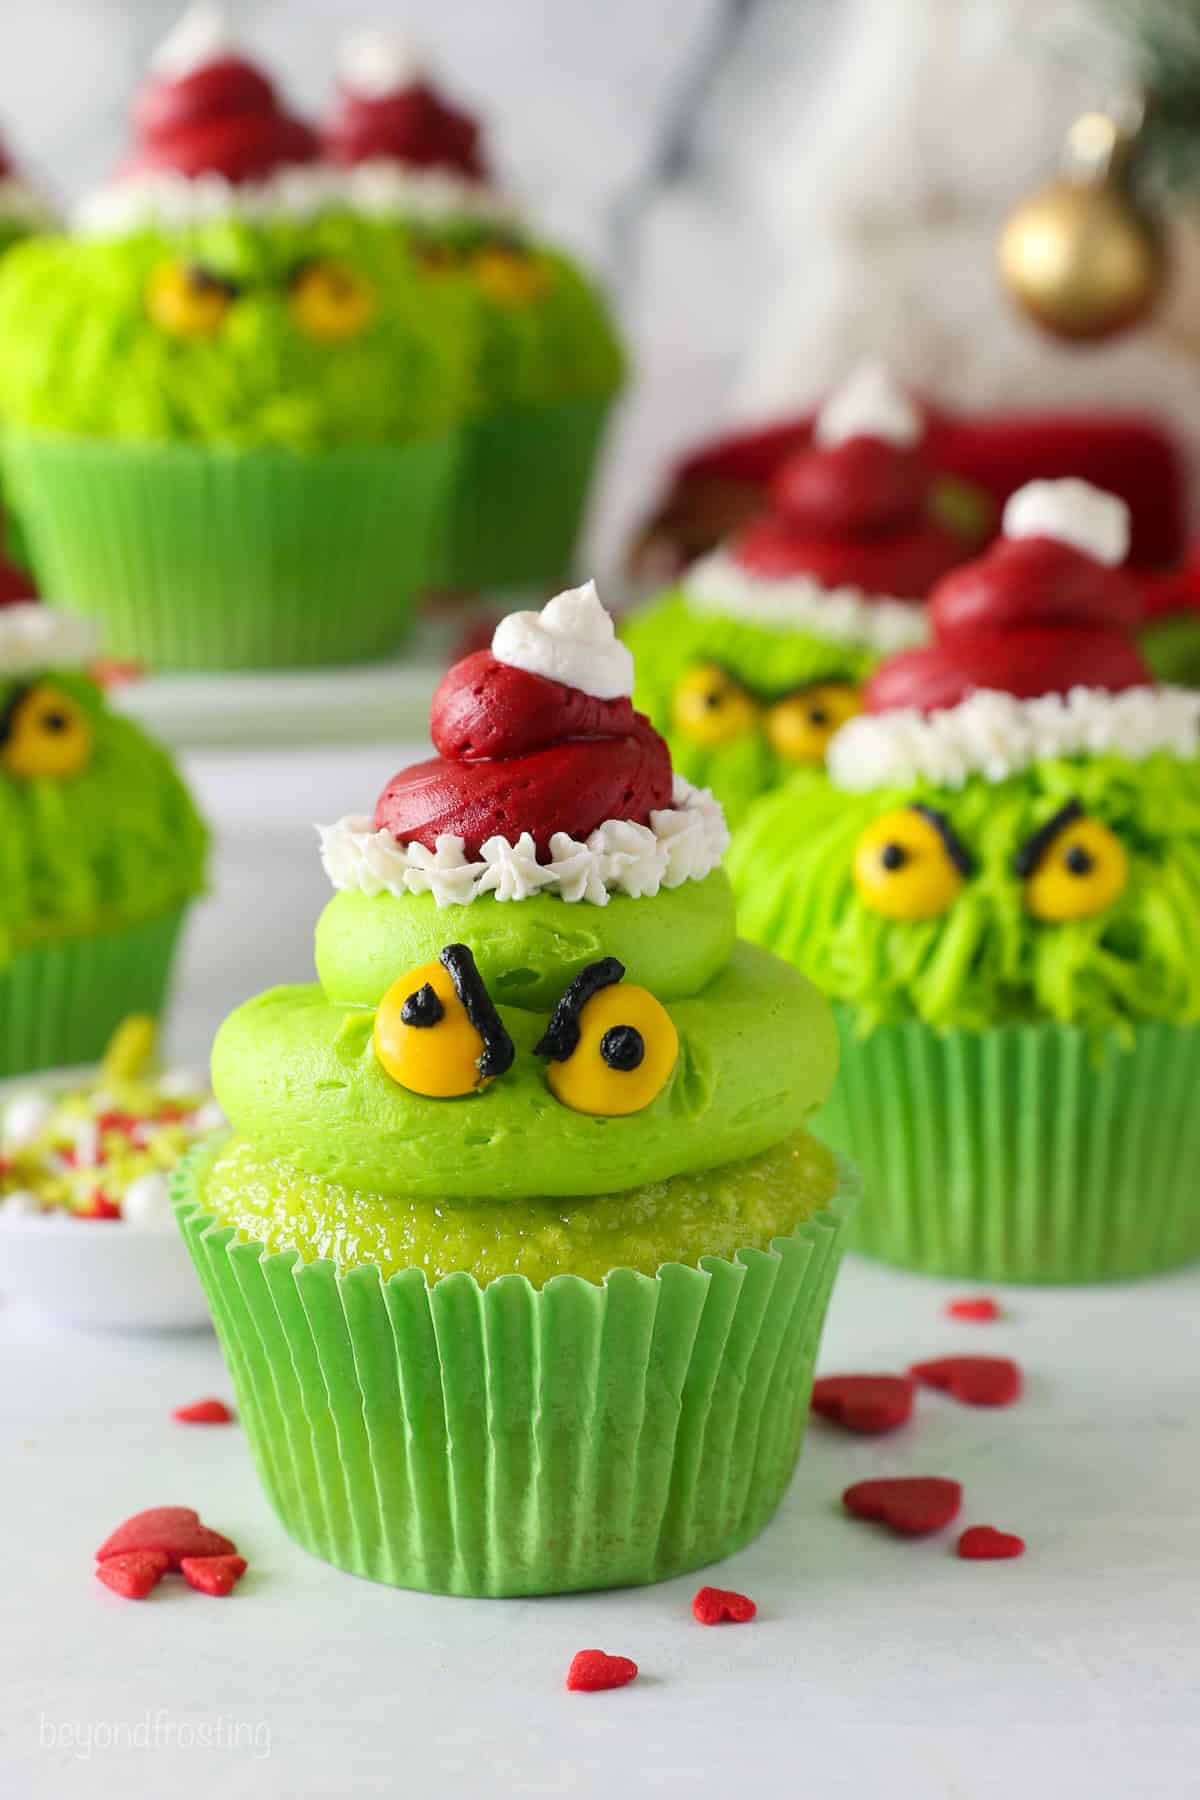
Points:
(1022, 1153)
(205, 558)
(520, 496)
(61, 1002)
(510, 1440)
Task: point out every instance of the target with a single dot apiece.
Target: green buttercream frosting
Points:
(115, 844)
(669, 636)
(986, 959)
(83, 356)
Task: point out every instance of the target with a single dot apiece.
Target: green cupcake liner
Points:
(192, 557)
(520, 496)
(1022, 1153)
(510, 1440)
(61, 1002)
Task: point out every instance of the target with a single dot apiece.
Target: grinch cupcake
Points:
(232, 410)
(101, 851)
(519, 1250)
(22, 210)
(759, 654)
(547, 360)
(999, 884)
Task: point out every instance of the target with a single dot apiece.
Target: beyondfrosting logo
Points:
(81, 1739)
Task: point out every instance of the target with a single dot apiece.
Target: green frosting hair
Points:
(114, 845)
(669, 636)
(986, 959)
(84, 357)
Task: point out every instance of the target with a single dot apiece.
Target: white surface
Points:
(877, 1667)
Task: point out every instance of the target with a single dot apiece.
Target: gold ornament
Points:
(1079, 256)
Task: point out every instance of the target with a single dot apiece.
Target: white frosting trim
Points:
(1075, 513)
(572, 640)
(994, 735)
(200, 36)
(684, 842)
(35, 637)
(847, 615)
(380, 188)
(869, 403)
(375, 63)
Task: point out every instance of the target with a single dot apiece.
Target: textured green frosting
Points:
(716, 1212)
(1171, 646)
(560, 344)
(115, 844)
(669, 636)
(987, 959)
(83, 357)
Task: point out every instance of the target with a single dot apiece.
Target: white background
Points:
(877, 1666)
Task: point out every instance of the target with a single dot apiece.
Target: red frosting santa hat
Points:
(849, 546)
(1032, 657)
(212, 137)
(402, 148)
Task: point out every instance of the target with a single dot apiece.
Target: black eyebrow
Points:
(954, 847)
(498, 1051)
(1031, 852)
(561, 1037)
(203, 278)
(8, 711)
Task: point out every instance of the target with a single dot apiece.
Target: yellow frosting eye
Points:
(188, 301)
(611, 1047)
(46, 734)
(330, 301)
(801, 725)
(437, 1032)
(508, 275)
(710, 708)
(1073, 868)
(909, 864)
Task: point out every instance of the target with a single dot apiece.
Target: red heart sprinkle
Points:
(212, 1574)
(133, 1573)
(98, 1206)
(870, 1404)
(912, 1505)
(591, 1671)
(714, 1606)
(980, 1311)
(983, 1543)
(975, 1380)
(204, 1412)
(176, 1530)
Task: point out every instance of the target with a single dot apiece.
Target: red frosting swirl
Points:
(222, 119)
(854, 515)
(1032, 616)
(413, 125)
(520, 753)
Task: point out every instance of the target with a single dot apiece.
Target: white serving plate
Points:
(96, 1272)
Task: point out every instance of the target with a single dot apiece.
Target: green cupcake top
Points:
(302, 334)
(97, 831)
(516, 1001)
(1068, 890)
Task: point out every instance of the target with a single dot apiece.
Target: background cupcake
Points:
(231, 411)
(101, 851)
(545, 353)
(758, 655)
(1000, 886)
(22, 210)
(557, 1246)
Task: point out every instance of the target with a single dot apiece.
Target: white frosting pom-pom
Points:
(870, 403)
(571, 640)
(202, 36)
(35, 637)
(1075, 513)
(374, 63)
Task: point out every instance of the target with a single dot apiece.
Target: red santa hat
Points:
(387, 110)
